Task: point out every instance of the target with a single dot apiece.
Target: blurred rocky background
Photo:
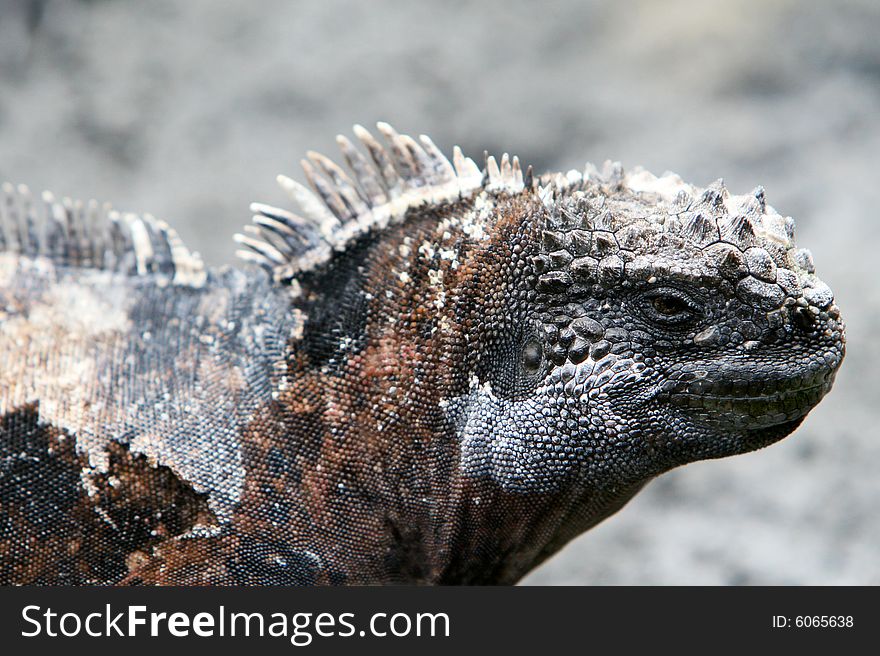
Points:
(189, 109)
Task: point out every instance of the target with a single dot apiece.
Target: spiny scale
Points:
(80, 234)
(375, 191)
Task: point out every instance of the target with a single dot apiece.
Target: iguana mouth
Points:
(790, 401)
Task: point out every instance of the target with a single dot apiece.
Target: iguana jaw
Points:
(790, 400)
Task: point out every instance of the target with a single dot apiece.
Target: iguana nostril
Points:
(803, 319)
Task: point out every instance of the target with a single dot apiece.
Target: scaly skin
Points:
(442, 376)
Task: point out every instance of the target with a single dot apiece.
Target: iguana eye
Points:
(669, 306)
(532, 356)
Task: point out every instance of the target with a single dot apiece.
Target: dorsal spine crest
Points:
(89, 235)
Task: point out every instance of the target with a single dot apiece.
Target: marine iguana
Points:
(435, 373)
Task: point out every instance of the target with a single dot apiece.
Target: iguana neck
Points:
(364, 457)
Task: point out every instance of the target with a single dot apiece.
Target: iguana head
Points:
(644, 324)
